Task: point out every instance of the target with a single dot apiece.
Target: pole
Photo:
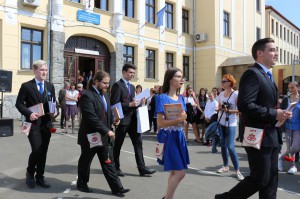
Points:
(194, 44)
(293, 70)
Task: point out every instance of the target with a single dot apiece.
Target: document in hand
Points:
(116, 113)
(119, 108)
(144, 94)
(52, 106)
(142, 119)
(38, 108)
(289, 108)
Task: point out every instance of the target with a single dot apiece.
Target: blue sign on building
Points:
(88, 17)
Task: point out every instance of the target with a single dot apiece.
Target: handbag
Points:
(159, 152)
(253, 137)
(94, 139)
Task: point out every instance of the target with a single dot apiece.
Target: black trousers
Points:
(136, 139)
(62, 117)
(263, 177)
(39, 139)
(109, 170)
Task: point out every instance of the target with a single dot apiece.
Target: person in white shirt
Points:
(71, 106)
(210, 109)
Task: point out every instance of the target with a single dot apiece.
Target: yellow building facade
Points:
(78, 36)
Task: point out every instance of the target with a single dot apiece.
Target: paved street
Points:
(201, 180)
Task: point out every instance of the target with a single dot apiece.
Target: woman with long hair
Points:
(71, 106)
(292, 127)
(176, 157)
(228, 121)
(202, 99)
(192, 108)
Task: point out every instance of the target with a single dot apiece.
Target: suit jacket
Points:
(257, 101)
(94, 117)
(62, 98)
(29, 95)
(119, 93)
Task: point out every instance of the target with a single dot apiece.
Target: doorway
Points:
(85, 65)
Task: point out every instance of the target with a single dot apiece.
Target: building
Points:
(286, 36)
(77, 36)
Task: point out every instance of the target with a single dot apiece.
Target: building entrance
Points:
(82, 55)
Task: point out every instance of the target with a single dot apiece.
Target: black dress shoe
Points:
(120, 193)
(221, 196)
(147, 171)
(120, 173)
(30, 180)
(42, 182)
(84, 188)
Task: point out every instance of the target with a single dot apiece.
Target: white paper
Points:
(94, 139)
(280, 123)
(52, 106)
(142, 120)
(26, 128)
(144, 94)
(119, 107)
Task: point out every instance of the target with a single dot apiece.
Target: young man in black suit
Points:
(97, 117)
(124, 92)
(257, 102)
(33, 92)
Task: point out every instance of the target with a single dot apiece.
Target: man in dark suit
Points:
(257, 102)
(31, 93)
(97, 117)
(124, 92)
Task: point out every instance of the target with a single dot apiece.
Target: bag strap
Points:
(223, 111)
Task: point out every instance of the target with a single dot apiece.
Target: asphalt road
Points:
(201, 180)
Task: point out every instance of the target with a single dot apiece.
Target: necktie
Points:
(128, 86)
(104, 102)
(270, 76)
(41, 90)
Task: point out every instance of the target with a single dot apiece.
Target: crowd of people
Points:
(218, 118)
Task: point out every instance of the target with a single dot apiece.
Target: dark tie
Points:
(41, 90)
(128, 86)
(270, 76)
(104, 102)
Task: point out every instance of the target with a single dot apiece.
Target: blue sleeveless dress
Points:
(176, 156)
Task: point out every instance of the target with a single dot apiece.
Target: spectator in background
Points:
(202, 99)
(138, 89)
(80, 90)
(71, 106)
(153, 107)
(150, 108)
(62, 103)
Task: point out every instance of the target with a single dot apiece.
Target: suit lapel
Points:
(36, 91)
(125, 87)
(98, 97)
(272, 84)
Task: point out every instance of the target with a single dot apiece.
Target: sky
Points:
(290, 9)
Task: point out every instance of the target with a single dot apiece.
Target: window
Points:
(186, 68)
(294, 39)
(280, 55)
(128, 54)
(258, 5)
(75, 1)
(280, 31)
(257, 33)
(101, 4)
(31, 47)
(169, 15)
(226, 24)
(128, 8)
(284, 54)
(291, 37)
(272, 26)
(150, 64)
(284, 34)
(297, 42)
(288, 36)
(169, 60)
(288, 58)
(276, 28)
(185, 21)
(150, 11)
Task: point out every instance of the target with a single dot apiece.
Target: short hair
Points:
(79, 85)
(100, 75)
(139, 86)
(38, 63)
(260, 45)
(231, 79)
(127, 66)
(67, 83)
(295, 83)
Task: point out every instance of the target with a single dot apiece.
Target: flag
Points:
(160, 17)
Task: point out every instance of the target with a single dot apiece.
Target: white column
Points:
(233, 18)
(254, 28)
(117, 6)
(141, 15)
(263, 23)
(57, 18)
(162, 28)
(117, 21)
(179, 20)
(221, 23)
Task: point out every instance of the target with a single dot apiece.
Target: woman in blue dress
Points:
(176, 157)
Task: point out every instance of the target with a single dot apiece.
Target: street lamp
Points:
(295, 61)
